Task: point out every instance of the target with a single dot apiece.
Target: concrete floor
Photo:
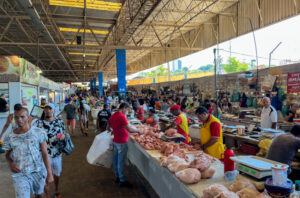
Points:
(79, 179)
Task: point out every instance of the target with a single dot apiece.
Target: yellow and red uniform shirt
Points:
(183, 127)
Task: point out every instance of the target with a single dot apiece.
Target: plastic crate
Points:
(248, 149)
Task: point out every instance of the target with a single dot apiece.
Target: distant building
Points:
(176, 65)
(286, 62)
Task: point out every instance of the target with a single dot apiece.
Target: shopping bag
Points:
(101, 151)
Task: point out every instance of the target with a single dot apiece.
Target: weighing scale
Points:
(254, 166)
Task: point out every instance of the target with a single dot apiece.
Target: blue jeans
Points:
(120, 154)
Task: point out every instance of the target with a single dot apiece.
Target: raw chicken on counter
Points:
(240, 184)
(218, 190)
(149, 140)
(174, 163)
(175, 156)
(189, 175)
(241, 188)
(170, 132)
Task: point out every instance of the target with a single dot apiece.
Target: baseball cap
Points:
(48, 107)
(175, 107)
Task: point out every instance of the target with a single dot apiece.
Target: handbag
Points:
(67, 145)
(76, 117)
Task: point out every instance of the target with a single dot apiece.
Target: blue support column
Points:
(95, 85)
(121, 71)
(91, 85)
(100, 79)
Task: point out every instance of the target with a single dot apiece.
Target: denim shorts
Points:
(29, 183)
(56, 165)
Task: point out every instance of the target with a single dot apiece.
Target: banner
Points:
(100, 79)
(121, 71)
(293, 83)
(29, 73)
(10, 68)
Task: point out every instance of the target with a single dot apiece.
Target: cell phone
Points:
(36, 111)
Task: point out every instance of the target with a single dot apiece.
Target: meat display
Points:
(207, 173)
(202, 161)
(214, 190)
(170, 132)
(189, 175)
(147, 138)
(242, 188)
(228, 194)
(248, 193)
(175, 156)
(240, 184)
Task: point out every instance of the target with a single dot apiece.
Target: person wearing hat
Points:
(182, 123)
(211, 137)
(54, 129)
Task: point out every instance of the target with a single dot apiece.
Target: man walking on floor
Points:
(71, 111)
(26, 154)
(54, 128)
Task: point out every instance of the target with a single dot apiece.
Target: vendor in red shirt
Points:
(182, 123)
(119, 125)
(211, 137)
(139, 112)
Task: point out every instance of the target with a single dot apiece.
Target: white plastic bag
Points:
(101, 151)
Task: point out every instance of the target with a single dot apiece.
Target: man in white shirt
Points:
(268, 115)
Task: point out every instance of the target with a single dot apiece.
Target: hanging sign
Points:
(293, 83)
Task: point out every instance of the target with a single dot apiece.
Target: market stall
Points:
(163, 181)
(163, 169)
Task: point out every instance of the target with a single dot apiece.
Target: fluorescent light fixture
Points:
(64, 29)
(74, 43)
(90, 4)
(80, 53)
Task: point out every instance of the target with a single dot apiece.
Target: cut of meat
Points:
(163, 147)
(207, 173)
(189, 175)
(240, 184)
(228, 194)
(170, 132)
(177, 165)
(201, 163)
(181, 167)
(214, 190)
(169, 150)
(248, 193)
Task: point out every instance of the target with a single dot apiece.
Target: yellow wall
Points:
(165, 78)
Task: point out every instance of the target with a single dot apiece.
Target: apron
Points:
(183, 128)
(217, 149)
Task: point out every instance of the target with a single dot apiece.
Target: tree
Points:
(206, 68)
(235, 65)
(143, 74)
(185, 69)
(160, 71)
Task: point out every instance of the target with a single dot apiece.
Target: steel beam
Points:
(106, 47)
(124, 28)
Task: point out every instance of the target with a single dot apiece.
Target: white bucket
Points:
(279, 174)
(240, 129)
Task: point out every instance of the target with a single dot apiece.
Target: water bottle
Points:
(228, 163)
